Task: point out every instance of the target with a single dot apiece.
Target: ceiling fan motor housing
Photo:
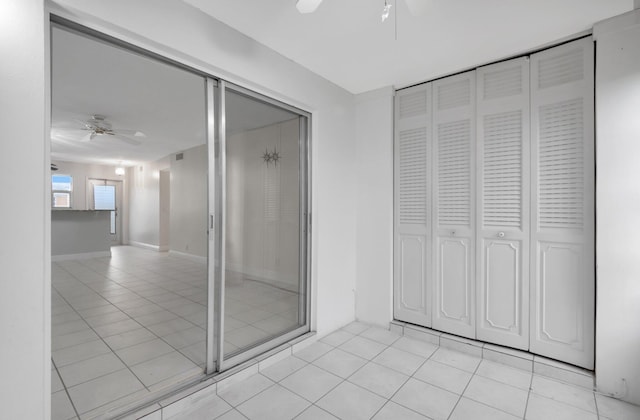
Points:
(99, 124)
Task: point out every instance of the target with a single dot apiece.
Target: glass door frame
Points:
(217, 219)
(215, 89)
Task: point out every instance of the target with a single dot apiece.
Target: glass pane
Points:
(104, 197)
(61, 200)
(61, 182)
(112, 229)
(146, 304)
(262, 288)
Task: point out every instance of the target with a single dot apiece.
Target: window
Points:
(61, 191)
(104, 197)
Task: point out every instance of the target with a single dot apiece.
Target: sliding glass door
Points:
(262, 216)
(204, 187)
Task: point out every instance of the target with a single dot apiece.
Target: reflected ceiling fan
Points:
(416, 7)
(97, 126)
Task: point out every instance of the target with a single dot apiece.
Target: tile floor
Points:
(362, 372)
(134, 323)
(128, 325)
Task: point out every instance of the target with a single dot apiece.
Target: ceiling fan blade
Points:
(73, 124)
(67, 134)
(88, 137)
(307, 6)
(126, 139)
(417, 7)
(126, 132)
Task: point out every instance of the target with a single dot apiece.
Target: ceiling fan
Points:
(416, 7)
(98, 125)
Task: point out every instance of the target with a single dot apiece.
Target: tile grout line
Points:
(412, 377)
(343, 380)
(405, 382)
(112, 351)
(64, 387)
(132, 317)
(496, 408)
(465, 388)
(595, 400)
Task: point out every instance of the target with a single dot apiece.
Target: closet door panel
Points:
(502, 287)
(503, 203)
(454, 285)
(411, 275)
(454, 204)
(412, 213)
(563, 222)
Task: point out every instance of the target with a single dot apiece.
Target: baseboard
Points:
(263, 276)
(196, 258)
(144, 245)
(505, 355)
(81, 256)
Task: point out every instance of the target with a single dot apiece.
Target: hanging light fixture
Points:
(120, 169)
(385, 11)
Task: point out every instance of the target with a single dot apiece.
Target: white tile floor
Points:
(134, 323)
(128, 325)
(363, 372)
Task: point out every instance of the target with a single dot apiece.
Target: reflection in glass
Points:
(263, 282)
(131, 319)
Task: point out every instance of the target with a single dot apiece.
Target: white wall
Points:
(80, 232)
(374, 134)
(262, 231)
(188, 214)
(144, 202)
(618, 206)
(186, 34)
(25, 296)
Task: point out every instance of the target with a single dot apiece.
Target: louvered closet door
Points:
(503, 203)
(454, 204)
(412, 205)
(562, 271)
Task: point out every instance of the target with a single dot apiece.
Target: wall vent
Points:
(179, 156)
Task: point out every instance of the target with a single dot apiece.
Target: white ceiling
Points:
(133, 92)
(345, 41)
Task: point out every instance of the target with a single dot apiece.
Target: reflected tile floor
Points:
(134, 323)
(364, 372)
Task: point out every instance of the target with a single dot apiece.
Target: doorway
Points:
(106, 195)
(210, 210)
